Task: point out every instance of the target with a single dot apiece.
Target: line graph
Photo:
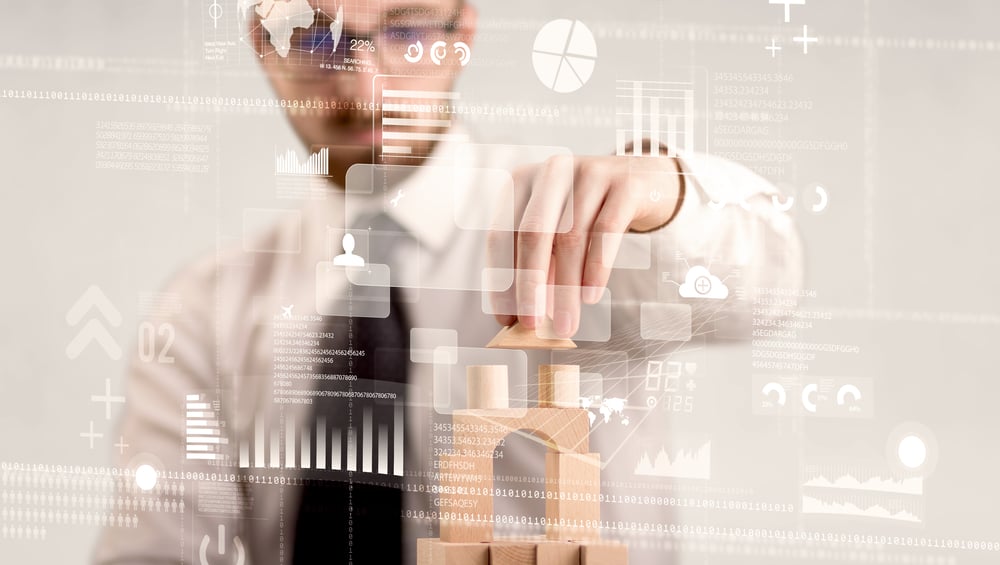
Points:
(317, 164)
(861, 507)
(876, 483)
(684, 464)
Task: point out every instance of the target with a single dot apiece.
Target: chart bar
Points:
(423, 136)
(321, 442)
(637, 118)
(688, 121)
(244, 454)
(258, 443)
(654, 127)
(418, 122)
(410, 107)
(397, 441)
(420, 94)
(619, 142)
(203, 423)
(383, 449)
(366, 446)
(289, 443)
(211, 439)
(397, 149)
(352, 449)
(304, 451)
(672, 135)
(336, 453)
(275, 460)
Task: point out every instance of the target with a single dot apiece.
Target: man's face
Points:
(375, 36)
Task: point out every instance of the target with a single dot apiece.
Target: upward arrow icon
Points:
(93, 298)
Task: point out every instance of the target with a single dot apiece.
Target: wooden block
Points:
(432, 551)
(486, 387)
(466, 512)
(558, 553)
(517, 336)
(558, 386)
(603, 553)
(573, 512)
(501, 552)
(561, 429)
(513, 553)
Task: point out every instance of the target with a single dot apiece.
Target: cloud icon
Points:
(700, 283)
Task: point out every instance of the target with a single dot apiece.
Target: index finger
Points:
(544, 215)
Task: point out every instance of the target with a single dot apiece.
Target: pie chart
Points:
(564, 55)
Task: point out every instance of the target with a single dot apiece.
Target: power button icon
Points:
(221, 548)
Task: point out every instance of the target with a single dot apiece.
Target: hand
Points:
(569, 214)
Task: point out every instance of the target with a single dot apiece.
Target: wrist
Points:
(660, 209)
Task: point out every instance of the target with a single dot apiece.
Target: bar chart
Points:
(661, 112)
(413, 117)
(375, 446)
(202, 429)
(317, 164)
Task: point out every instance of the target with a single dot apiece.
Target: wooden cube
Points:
(558, 386)
(603, 553)
(573, 512)
(558, 553)
(513, 553)
(486, 387)
(563, 429)
(436, 552)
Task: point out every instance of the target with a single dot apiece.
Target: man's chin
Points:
(343, 156)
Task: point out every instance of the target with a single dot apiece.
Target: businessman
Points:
(533, 230)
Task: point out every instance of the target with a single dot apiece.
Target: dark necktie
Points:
(358, 520)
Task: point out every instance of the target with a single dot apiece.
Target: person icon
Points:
(348, 258)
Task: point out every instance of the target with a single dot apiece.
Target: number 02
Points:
(147, 342)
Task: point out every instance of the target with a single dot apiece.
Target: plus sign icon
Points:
(703, 285)
(700, 283)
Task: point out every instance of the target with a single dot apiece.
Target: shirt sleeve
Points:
(166, 526)
(731, 216)
(730, 223)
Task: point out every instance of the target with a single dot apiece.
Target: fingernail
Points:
(592, 294)
(563, 324)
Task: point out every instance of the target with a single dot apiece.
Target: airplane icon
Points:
(286, 311)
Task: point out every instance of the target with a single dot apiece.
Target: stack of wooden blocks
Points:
(572, 473)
